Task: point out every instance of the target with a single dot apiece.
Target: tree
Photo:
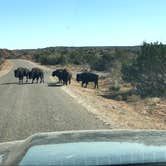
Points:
(148, 71)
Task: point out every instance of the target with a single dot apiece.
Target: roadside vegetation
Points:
(135, 75)
(148, 71)
(142, 69)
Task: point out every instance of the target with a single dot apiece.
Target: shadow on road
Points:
(56, 84)
(13, 83)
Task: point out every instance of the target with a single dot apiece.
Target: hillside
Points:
(97, 58)
(22, 52)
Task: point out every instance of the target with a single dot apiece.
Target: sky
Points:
(44, 23)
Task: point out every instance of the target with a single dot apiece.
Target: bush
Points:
(103, 63)
(115, 86)
(148, 71)
(52, 59)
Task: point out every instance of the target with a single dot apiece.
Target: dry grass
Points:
(5, 68)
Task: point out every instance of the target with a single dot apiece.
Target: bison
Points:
(87, 77)
(26, 74)
(63, 75)
(66, 76)
(36, 73)
(59, 74)
(20, 73)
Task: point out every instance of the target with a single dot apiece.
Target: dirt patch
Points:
(150, 107)
(5, 67)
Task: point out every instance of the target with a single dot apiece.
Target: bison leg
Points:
(64, 82)
(96, 84)
(61, 81)
(20, 80)
(27, 79)
(82, 84)
(41, 80)
(32, 80)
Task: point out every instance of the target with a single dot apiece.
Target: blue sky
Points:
(43, 23)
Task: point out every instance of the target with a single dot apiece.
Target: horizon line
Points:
(71, 47)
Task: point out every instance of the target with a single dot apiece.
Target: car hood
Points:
(118, 146)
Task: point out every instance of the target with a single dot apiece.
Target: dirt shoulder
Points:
(117, 114)
(5, 67)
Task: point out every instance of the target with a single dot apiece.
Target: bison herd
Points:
(34, 74)
(64, 76)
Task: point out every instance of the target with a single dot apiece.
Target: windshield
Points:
(81, 65)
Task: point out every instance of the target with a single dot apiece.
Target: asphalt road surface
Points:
(30, 108)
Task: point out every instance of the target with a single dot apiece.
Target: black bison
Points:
(63, 75)
(58, 73)
(87, 77)
(66, 76)
(20, 73)
(36, 73)
(26, 74)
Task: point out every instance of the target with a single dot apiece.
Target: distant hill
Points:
(29, 53)
(101, 58)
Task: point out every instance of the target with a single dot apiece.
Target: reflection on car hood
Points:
(100, 147)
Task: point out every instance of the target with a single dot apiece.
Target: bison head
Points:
(57, 72)
(78, 77)
(16, 73)
(54, 73)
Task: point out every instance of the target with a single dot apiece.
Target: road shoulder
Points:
(5, 67)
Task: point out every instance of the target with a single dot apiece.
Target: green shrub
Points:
(52, 59)
(147, 72)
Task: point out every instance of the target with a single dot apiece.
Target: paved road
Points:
(30, 108)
